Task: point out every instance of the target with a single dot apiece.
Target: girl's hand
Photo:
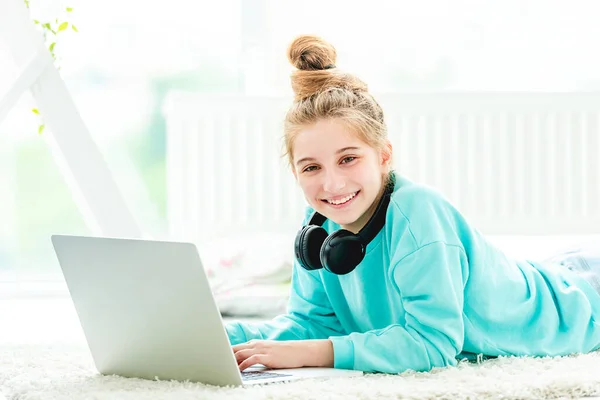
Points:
(284, 354)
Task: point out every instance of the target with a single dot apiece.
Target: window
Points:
(127, 56)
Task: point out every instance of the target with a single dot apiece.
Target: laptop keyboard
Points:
(253, 375)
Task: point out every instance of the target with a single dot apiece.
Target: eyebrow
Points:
(337, 152)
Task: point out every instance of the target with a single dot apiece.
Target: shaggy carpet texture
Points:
(39, 371)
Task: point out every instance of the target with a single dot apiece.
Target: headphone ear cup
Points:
(308, 246)
(341, 252)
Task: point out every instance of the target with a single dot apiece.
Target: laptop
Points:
(147, 311)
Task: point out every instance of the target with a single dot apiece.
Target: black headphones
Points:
(342, 251)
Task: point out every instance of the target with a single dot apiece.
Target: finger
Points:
(239, 347)
(243, 354)
(255, 359)
(247, 345)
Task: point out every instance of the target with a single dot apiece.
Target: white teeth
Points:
(342, 201)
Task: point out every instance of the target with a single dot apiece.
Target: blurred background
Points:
(127, 57)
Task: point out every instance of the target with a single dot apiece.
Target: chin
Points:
(340, 217)
(346, 224)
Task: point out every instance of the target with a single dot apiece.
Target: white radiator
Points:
(523, 164)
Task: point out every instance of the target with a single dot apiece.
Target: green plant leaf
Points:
(40, 129)
(63, 26)
(35, 21)
(69, 9)
(51, 48)
(35, 111)
(74, 28)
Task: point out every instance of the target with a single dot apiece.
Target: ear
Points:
(386, 155)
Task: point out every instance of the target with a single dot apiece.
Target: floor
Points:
(23, 319)
(44, 319)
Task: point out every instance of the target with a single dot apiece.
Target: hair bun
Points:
(316, 73)
(311, 53)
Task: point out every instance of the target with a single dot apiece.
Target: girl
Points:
(396, 278)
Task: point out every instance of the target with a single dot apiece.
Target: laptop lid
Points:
(146, 309)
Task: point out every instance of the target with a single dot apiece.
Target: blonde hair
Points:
(322, 91)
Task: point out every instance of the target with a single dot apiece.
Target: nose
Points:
(334, 182)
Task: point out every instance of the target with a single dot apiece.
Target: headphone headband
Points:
(317, 219)
(377, 220)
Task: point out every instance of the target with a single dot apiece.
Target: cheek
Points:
(309, 188)
(364, 175)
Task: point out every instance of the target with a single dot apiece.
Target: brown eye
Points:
(348, 159)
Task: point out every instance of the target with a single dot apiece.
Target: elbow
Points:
(443, 360)
(439, 356)
(443, 356)
(442, 349)
(428, 360)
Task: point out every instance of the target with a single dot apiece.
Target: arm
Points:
(309, 314)
(431, 282)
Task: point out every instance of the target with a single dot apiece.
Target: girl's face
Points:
(341, 176)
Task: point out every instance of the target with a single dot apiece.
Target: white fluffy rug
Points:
(66, 372)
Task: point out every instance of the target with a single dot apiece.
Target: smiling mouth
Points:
(341, 201)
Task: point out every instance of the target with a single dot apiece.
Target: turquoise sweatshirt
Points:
(431, 290)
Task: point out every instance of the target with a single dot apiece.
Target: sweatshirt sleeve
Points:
(309, 314)
(430, 281)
